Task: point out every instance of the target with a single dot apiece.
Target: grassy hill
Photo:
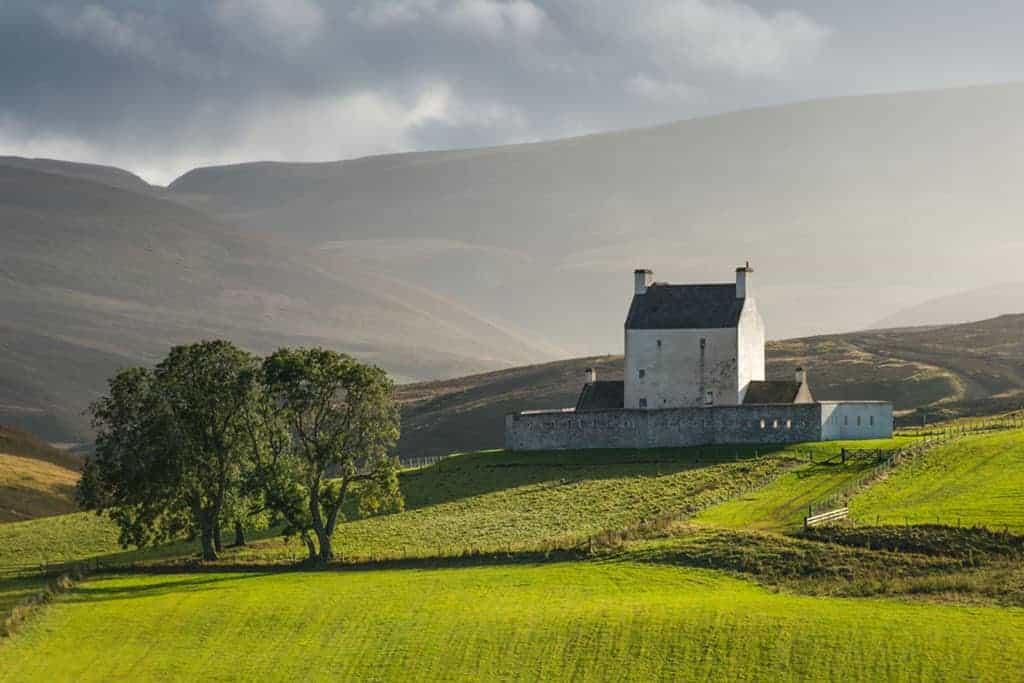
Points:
(978, 480)
(492, 573)
(36, 479)
(616, 620)
(941, 372)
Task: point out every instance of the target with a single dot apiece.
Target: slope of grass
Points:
(36, 479)
(497, 500)
(782, 504)
(976, 480)
(585, 621)
(31, 488)
(486, 501)
(18, 442)
(63, 538)
(481, 501)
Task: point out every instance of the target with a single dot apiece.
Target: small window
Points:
(703, 343)
(659, 343)
(789, 424)
(871, 420)
(709, 398)
(846, 420)
(858, 420)
(775, 424)
(762, 423)
(643, 403)
(641, 373)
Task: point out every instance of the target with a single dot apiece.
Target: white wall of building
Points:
(677, 371)
(855, 420)
(750, 343)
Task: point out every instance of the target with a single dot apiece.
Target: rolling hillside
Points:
(850, 209)
(505, 584)
(579, 621)
(974, 481)
(95, 277)
(974, 368)
(440, 264)
(36, 479)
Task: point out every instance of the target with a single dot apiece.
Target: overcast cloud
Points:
(159, 88)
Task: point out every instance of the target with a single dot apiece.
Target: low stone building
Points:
(695, 374)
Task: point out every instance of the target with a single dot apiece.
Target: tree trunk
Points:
(217, 543)
(310, 546)
(326, 551)
(206, 537)
(239, 533)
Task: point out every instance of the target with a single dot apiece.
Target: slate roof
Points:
(681, 307)
(601, 395)
(772, 391)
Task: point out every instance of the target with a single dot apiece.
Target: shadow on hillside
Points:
(189, 574)
(97, 590)
(474, 474)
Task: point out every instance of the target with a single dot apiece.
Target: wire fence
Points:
(886, 460)
(425, 461)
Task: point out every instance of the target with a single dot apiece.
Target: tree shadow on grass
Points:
(100, 589)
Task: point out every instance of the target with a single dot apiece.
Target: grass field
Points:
(646, 609)
(496, 500)
(32, 488)
(782, 504)
(586, 621)
(36, 479)
(975, 480)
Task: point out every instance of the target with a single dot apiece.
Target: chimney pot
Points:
(642, 279)
(743, 283)
(591, 374)
(801, 376)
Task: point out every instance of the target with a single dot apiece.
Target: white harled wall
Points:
(855, 420)
(673, 369)
(750, 343)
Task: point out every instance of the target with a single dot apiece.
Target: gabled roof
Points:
(603, 395)
(777, 391)
(681, 307)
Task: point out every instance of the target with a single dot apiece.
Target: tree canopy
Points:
(339, 420)
(212, 435)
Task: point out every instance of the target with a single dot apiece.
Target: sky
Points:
(160, 87)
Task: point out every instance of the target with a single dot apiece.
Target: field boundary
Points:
(887, 460)
(826, 517)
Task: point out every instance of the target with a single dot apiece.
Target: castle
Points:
(695, 375)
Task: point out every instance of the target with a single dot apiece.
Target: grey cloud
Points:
(160, 86)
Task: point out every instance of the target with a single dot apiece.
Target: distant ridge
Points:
(108, 175)
(851, 209)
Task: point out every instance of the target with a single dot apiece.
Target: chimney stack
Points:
(642, 279)
(743, 284)
(801, 376)
(591, 374)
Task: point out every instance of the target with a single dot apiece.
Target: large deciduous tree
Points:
(327, 430)
(173, 444)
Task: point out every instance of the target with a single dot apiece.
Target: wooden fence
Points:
(887, 459)
(826, 517)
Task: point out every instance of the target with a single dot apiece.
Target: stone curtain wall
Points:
(662, 428)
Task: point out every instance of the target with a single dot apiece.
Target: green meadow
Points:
(782, 504)
(705, 584)
(975, 480)
(579, 620)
